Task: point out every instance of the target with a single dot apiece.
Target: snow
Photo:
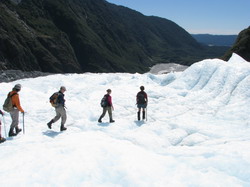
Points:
(197, 131)
(167, 68)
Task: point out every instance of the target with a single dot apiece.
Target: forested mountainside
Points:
(90, 36)
(241, 46)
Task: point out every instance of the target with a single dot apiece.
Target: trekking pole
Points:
(0, 131)
(23, 124)
(4, 127)
(146, 114)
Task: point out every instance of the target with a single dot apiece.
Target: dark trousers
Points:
(105, 109)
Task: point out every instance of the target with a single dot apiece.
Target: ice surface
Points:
(197, 131)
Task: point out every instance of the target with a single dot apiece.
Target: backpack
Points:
(104, 101)
(8, 106)
(141, 98)
(54, 99)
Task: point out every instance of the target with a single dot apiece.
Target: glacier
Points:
(197, 131)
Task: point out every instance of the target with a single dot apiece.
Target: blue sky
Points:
(197, 16)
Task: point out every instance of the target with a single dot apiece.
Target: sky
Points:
(197, 16)
(197, 130)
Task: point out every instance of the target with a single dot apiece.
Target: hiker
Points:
(14, 113)
(60, 109)
(109, 107)
(2, 139)
(142, 102)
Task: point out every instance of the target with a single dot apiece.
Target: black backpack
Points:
(104, 101)
(141, 98)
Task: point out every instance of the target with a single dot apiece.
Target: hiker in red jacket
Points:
(109, 107)
(142, 102)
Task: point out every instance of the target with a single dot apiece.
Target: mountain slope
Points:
(241, 46)
(87, 35)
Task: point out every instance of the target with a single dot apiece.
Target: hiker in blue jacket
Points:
(60, 110)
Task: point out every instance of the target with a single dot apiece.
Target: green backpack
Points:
(7, 106)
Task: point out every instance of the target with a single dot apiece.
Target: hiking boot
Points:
(11, 133)
(18, 130)
(2, 139)
(63, 128)
(100, 119)
(111, 121)
(50, 124)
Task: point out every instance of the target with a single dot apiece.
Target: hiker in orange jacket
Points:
(15, 112)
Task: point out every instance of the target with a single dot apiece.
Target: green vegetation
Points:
(91, 36)
(241, 46)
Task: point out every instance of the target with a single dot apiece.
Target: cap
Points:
(17, 87)
(63, 88)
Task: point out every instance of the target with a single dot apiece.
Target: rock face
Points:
(64, 36)
(12, 75)
(241, 46)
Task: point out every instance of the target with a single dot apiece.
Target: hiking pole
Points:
(4, 127)
(146, 114)
(23, 124)
(0, 131)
